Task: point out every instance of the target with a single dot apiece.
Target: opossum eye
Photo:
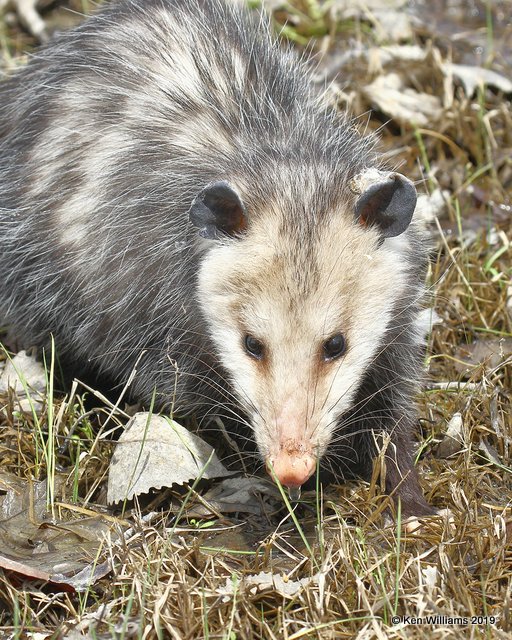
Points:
(334, 347)
(254, 347)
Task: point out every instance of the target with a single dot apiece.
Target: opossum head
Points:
(298, 303)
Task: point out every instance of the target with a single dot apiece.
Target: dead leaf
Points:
(27, 377)
(399, 53)
(453, 441)
(265, 581)
(425, 321)
(490, 452)
(391, 26)
(358, 8)
(474, 77)
(155, 452)
(63, 553)
(488, 352)
(431, 206)
(403, 104)
(240, 495)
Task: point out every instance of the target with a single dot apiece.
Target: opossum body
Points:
(173, 193)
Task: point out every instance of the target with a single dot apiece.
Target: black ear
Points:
(217, 210)
(388, 205)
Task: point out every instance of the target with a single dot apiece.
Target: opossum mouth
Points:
(292, 465)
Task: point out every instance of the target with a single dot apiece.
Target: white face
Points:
(294, 302)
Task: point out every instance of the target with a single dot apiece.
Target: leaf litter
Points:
(66, 552)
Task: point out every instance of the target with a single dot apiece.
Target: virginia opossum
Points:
(174, 193)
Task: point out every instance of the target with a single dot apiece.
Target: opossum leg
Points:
(402, 483)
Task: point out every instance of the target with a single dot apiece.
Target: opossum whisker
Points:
(333, 462)
(379, 353)
(203, 379)
(344, 422)
(173, 185)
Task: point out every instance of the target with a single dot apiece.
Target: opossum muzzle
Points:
(292, 465)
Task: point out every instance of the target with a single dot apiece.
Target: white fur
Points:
(296, 395)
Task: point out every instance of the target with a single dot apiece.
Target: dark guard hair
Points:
(154, 131)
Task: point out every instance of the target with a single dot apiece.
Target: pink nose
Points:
(292, 470)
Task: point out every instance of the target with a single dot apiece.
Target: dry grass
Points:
(181, 579)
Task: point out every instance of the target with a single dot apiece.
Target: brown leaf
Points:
(36, 546)
(489, 353)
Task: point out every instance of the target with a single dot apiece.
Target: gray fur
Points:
(103, 148)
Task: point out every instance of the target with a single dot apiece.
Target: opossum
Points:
(176, 196)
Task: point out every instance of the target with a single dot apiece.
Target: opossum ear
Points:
(217, 210)
(388, 204)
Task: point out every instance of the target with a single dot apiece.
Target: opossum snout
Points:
(292, 465)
